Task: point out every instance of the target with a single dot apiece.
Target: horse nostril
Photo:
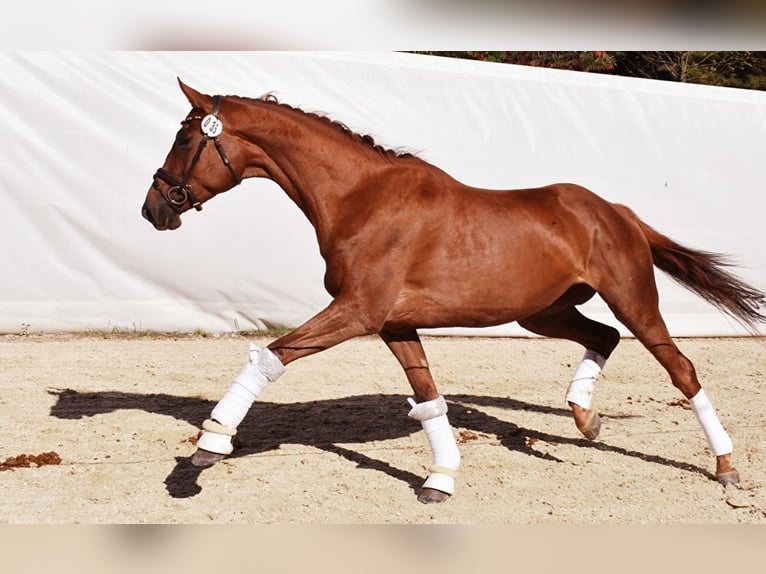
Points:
(147, 214)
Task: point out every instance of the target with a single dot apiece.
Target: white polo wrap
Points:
(446, 456)
(718, 439)
(580, 391)
(263, 367)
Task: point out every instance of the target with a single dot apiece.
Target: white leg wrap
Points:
(580, 391)
(235, 404)
(446, 455)
(717, 437)
(263, 367)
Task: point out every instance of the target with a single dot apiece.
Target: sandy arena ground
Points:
(330, 441)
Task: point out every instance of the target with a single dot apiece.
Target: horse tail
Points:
(705, 274)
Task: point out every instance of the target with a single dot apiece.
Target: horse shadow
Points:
(329, 423)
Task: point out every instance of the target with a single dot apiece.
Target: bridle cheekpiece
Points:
(179, 191)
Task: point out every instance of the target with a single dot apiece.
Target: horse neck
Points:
(314, 162)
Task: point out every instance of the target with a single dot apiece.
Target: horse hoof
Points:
(431, 496)
(204, 458)
(591, 427)
(730, 477)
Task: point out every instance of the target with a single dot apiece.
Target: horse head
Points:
(194, 171)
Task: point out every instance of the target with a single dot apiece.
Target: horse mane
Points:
(365, 139)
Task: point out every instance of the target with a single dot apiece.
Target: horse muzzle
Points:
(162, 219)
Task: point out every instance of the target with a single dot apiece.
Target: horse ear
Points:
(196, 99)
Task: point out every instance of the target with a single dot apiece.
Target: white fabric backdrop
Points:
(83, 133)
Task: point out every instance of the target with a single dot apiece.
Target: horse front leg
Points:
(341, 320)
(430, 409)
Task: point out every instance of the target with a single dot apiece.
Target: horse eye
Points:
(182, 140)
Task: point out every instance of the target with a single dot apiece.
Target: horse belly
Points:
(481, 296)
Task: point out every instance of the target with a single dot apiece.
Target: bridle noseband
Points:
(179, 191)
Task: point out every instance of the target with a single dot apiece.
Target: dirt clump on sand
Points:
(30, 460)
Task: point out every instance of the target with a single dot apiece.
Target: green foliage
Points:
(733, 69)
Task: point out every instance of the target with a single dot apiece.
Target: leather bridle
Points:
(179, 191)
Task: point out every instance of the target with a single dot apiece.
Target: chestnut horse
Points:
(406, 246)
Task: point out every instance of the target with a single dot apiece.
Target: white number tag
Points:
(211, 126)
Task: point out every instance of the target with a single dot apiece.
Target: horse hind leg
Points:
(430, 409)
(599, 340)
(638, 310)
(684, 377)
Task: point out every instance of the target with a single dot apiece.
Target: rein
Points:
(179, 191)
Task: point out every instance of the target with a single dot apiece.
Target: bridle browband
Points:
(179, 191)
